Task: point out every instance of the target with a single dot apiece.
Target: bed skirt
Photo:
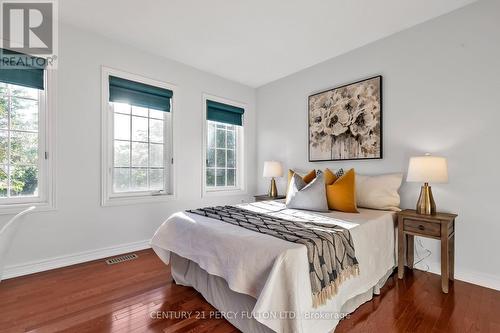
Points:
(216, 291)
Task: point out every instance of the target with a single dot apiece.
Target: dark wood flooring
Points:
(95, 297)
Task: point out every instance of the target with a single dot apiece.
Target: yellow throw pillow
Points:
(330, 177)
(307, 178)
(341, 195)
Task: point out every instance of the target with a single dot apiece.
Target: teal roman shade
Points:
(224, 113)
(21, 69)
(139, 94)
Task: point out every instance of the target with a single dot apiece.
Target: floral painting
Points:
(345, 123)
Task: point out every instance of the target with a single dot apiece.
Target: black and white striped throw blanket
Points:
(330, 249)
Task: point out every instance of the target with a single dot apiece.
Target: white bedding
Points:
(276, 272)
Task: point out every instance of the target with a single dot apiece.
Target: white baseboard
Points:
(71, 259)
(485, 280)
(481, 279)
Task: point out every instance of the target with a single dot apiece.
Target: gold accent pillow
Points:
(331, 177)
(341, 194)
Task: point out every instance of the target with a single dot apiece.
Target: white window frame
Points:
(108, 197)
(46, 155)
(240, 187)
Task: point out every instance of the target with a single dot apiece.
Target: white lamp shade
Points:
(272, 169)
(428, 169)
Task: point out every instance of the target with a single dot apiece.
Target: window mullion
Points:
(9, 106)
(215, 155)
(225, 151)
(235, 156)
(149, 152)
(167, 153)
(130, 151)
(42, 144)
(110, 162)
(215, 162)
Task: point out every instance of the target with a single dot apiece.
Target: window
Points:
(223, 168)
(25, 168)
(138, 150)
(221, 155)
(19, 141)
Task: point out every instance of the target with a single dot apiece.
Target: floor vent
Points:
(117, 260)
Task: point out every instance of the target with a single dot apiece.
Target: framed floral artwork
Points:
(345, 123)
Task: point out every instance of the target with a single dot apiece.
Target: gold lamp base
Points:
(273, 190)
(425, 203)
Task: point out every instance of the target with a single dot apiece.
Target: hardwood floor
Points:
(95, 297)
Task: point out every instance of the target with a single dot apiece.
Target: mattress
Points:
(273, 273)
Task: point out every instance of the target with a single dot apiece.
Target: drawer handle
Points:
(421, 227)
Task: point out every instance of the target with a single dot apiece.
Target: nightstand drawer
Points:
(422, 227)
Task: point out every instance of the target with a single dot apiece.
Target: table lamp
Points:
(427, 169)
(273, 169)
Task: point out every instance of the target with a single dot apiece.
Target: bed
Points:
(260, 283)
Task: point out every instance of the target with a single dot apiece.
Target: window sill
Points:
(223, 192)
(12, 209)
(136, 200)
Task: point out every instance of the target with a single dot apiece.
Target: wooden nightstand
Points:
(440, 226)
(265, 197)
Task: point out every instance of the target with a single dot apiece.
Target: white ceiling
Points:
(254, 41)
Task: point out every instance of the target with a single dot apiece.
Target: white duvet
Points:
(276, 272)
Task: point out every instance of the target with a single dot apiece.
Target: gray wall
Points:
(441, 88)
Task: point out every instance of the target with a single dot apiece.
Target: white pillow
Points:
(310, 196)
(379, 192)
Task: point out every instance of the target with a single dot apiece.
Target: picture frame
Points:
(345, 122)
